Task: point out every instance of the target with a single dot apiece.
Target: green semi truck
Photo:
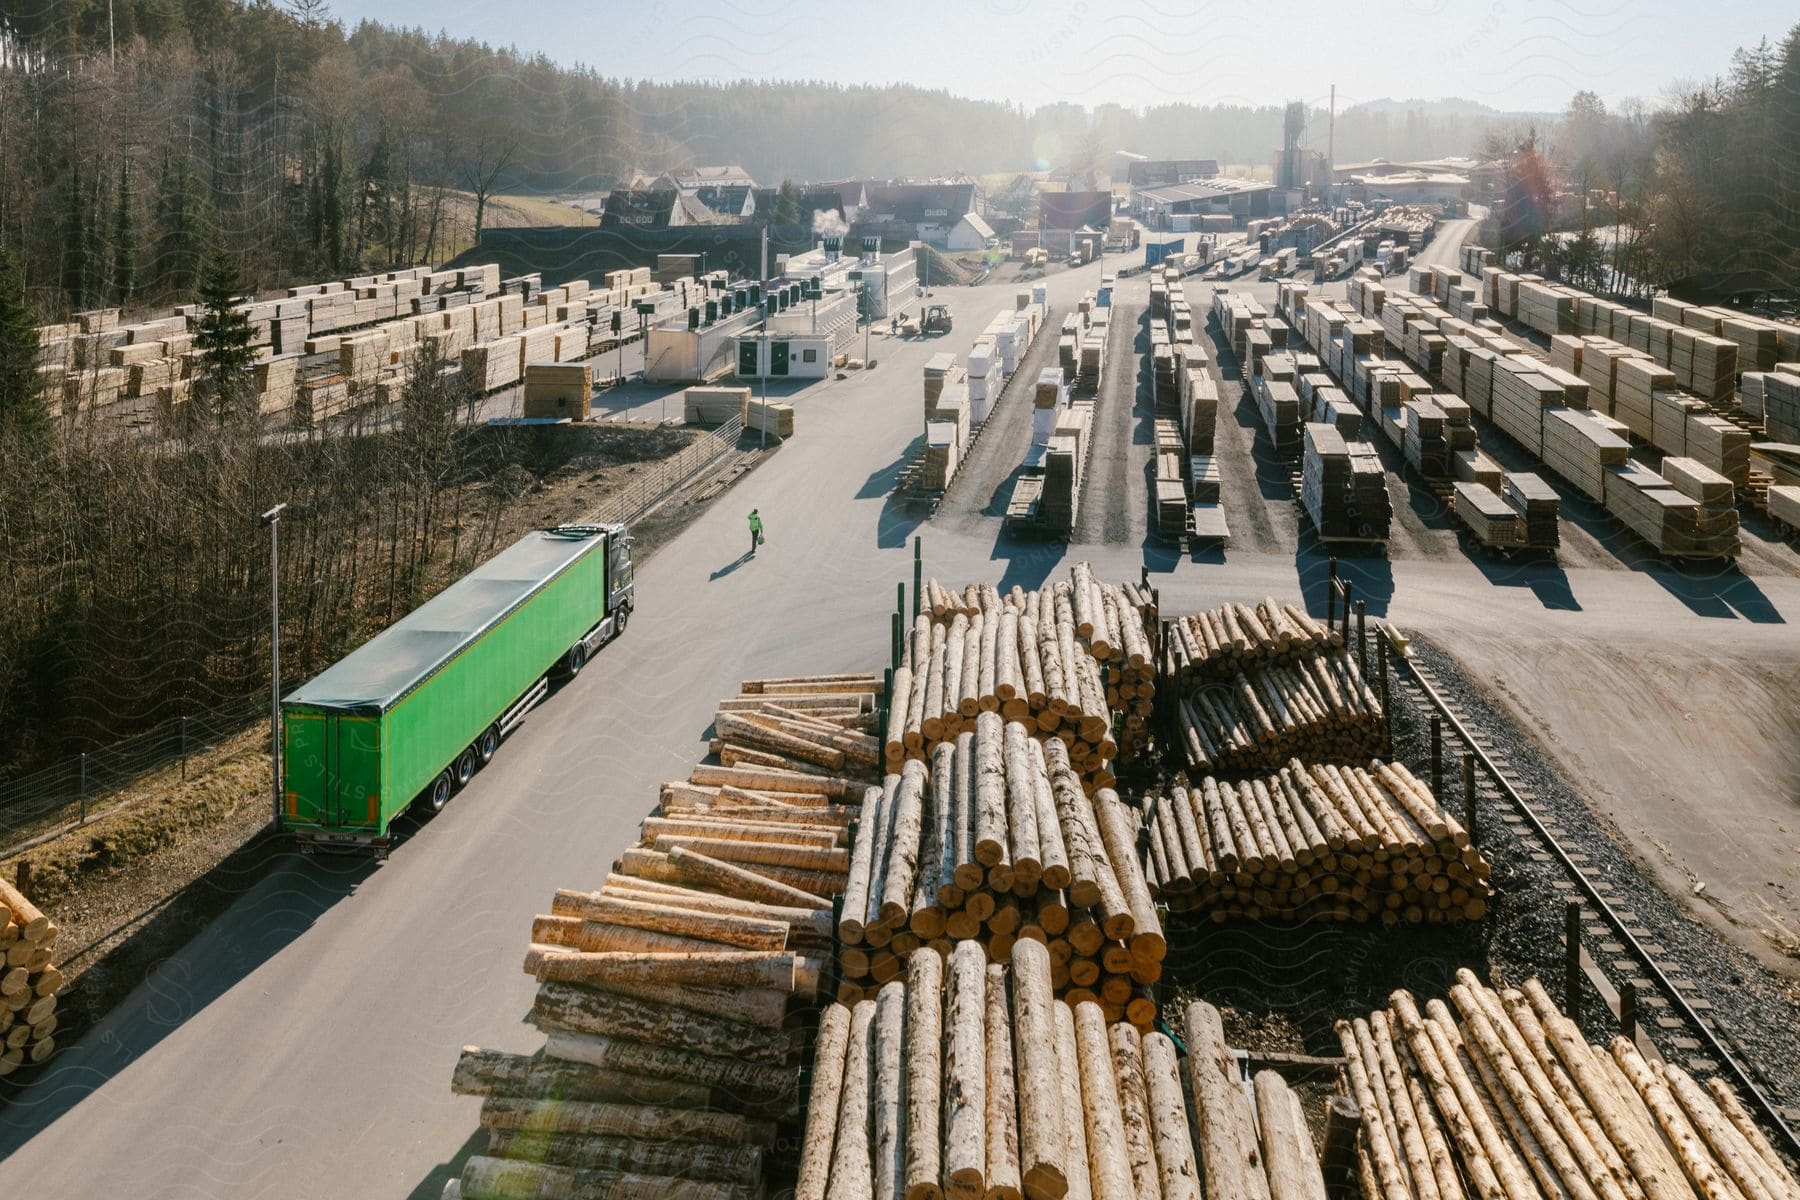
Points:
(408, 717)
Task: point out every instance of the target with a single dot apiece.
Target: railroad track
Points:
(1667, 1011)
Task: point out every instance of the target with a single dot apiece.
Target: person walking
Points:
(756, 532)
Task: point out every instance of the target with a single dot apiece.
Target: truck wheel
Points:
(619, 622)
(438, 794)
(488, 744)
(575, 660)
(465, 767)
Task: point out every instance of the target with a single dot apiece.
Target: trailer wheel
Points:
(575, 660)
(464, 766)
(438, 794)
(488, 744)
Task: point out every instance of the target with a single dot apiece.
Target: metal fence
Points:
(68, 793)
(670, 474)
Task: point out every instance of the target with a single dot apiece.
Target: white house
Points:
(970, 233)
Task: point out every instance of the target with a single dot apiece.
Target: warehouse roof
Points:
(379, 673)
(1202, 189)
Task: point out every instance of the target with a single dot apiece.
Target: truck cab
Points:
(621, 591)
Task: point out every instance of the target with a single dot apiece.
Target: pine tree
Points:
(75, 243)
(223, 339)
(124, 280)
(787, 205)
(23, 414)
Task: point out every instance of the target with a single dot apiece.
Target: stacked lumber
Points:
(1315, 843)
(1776, 401)
(664, 995)
(711, 406)
(1501, 1089)
(1216, 643)
(1343, 487)
(968, 1079)
(1489, 518)
(1537, 504)
(1672, 522)
(1579, 449)
(1061, 660)
(1784, 505)
(1317, 707)
(994, 842)
(29, 981)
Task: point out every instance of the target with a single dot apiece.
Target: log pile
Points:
(1500, 1089)
(29, 981)
(969, 1080)
(1061, 661)
(1321, 842)
(1216, 644)
(994, 842)
(664, 995)
(1317, 707)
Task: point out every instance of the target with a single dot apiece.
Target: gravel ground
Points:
(1303, 978)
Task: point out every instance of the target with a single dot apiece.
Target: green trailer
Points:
(413, 713)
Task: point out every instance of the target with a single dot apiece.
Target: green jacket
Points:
(755, 523)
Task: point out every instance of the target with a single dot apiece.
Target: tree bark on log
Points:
(563, 1007)
(1077, 1166)
(1177, 1171)
(1134, 1109)
(1043, 1139)
(689, 1161)
(1109, 1164)
(990, 790)
(485, 1178)
(1293, 1166)
(889, 1138)
(729, 879)
(925, 1079)
(1002, 1110)
(966, 1073)
(652, 1121)
(498, 1073)
(1229, 1152)
(830, 1049)
(852, 1173)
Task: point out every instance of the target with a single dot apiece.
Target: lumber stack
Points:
(1343, 487)
(1216, 643)
(1537, 504)
(29, 981)
(1061, 660)
(664, 995)
(1501, 1089)
(967, 1079)
(1674, 523)
(1353, 843)
(994, 841)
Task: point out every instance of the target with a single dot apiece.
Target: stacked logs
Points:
(664, 995)
(813, 726)
(995, 841)
(29, 982)
(1316, 706)
(1061, 660)
(968, 1079)
(1218, 642)
(1320, 842)
(1502, 1090)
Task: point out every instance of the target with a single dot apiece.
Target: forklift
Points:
(936, 319)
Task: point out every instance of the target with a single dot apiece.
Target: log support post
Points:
(1572, 960)
(896, 664)
(1362, 637)
(1437, 756)
(1628, 1010)
(1469, 798)
(1344, 621)
(22, 879)
(1331, 588)
(1338, 1163)
(1387, 711)
(918, 574)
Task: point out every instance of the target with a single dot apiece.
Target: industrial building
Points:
(1175, 206)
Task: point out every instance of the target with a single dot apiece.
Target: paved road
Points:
(301, 1046)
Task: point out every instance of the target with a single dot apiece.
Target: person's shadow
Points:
(733, 565)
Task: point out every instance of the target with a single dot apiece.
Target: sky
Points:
(1512, 55)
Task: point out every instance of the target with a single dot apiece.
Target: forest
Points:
(304, 149)
(1700, 197)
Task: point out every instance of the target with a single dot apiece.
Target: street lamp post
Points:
(272, 519)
